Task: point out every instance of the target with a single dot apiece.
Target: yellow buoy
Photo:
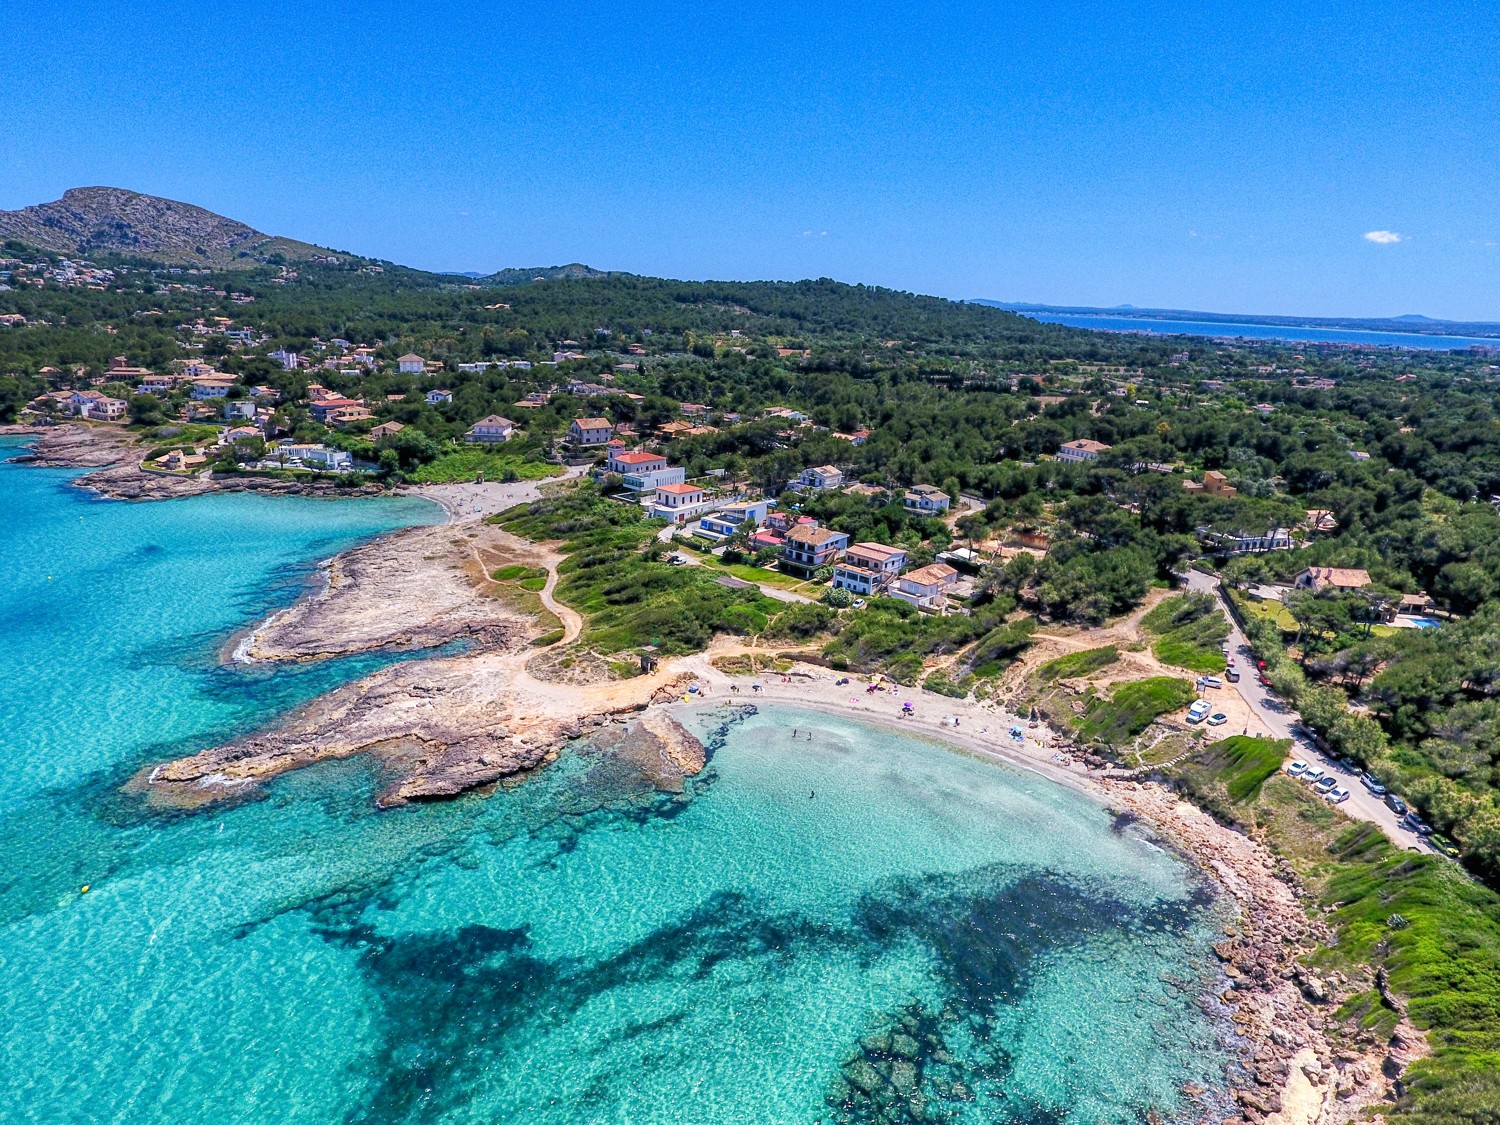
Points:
(84, 889)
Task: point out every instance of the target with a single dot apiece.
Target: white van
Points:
(1198, 711)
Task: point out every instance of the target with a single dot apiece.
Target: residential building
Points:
(678, 502)
(96, 405)
(346, 415)
(926, 588)
(316, 456)
(634, 461)
(323, 409)
(411, 364)
(211, 386)
(120, 371)
(181, 460)
(1083, 449)
(590, 431)
(821, 477)
(647, 481)
(434, 397)
(809, 547)
(926, 499)
(869, 568)
(385, 430)
(1245, 542)
(1214, 483)
(732, 518)
(1321, 520)
(240, 408)
(1331, 577)
(490, 431)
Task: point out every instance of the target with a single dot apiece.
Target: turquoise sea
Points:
(1153, 326)
(860, 927)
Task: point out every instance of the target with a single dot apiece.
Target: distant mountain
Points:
(570, 272)
(1411, 322)
(91, 221)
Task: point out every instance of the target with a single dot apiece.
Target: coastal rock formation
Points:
(366, 602)
(660, 747)
(438, 727)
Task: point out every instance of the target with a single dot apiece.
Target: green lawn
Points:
(1271, 611)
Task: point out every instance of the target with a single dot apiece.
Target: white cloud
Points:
(815, 234)
(1384, 237)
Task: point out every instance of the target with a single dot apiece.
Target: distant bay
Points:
(1289, 333)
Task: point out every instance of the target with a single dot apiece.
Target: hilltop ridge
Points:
(106, 220)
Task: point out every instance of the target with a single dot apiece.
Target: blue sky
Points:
(1186, 155)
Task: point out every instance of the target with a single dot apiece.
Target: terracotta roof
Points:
(1346, 578)
(931, 574)
(1087, 445)
(875, 551)
(592, 423)
(679, 489)
(812, 536)
(637, 458)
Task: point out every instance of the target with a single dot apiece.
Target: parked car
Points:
(1210, 682)
(1218, 719)
(1416, 823)
(1313, 773)
(1296, 768)
(677, 560)
(1326, 784)
(1336, 796)
(1369, 782)
(1395, 804)
(1349, 764)
(1198, 711)
(1444, 845)
(1232, 675)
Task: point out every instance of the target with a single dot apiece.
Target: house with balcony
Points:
(927, 587)
(678, 503)
(925, 500)
(493, 430)
(411, 364)
(819, 478)
(726, 521)
(624, 461)
(868, 569)
(590, 431)
(809, 547)
(211, 386)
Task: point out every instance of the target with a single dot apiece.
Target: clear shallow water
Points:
(1289, 333)
(970, 943)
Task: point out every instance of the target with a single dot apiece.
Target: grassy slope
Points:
(1435, 932)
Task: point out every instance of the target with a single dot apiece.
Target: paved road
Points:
(1281, 721)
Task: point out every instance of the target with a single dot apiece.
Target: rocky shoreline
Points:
(113, 458)
(444, 726)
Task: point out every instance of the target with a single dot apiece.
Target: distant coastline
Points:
(1406, 331)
